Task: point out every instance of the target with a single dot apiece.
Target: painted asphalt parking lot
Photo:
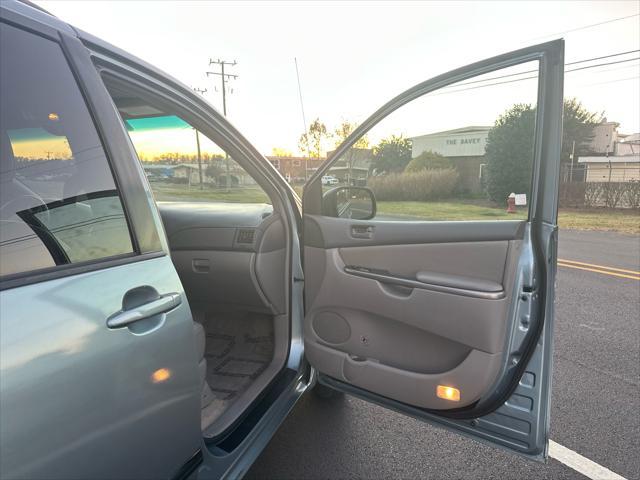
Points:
(596, 396)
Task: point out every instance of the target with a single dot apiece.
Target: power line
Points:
(588, 26)
(602, 64)
(535, 70)
(617, 69)
(525, 78)
(611, 81)
(602, 57)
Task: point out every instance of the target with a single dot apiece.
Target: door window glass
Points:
(58, 199)
(181, 163)
(463, 152)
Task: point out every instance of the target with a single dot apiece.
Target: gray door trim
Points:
(331, 232)
(435, 284)
(128, 177)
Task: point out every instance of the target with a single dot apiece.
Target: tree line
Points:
(508, 153)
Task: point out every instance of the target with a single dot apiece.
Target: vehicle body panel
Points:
(79, 398)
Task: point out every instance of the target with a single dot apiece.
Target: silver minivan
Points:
(151, 329)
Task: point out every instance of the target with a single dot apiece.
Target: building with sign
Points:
(464, 147)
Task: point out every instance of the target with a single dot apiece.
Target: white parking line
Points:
(581, 464)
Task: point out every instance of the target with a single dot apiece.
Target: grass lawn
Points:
(168, 192)
(446, 211)
(625, 221)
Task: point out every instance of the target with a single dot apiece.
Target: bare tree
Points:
(352, 156)
(313, 142)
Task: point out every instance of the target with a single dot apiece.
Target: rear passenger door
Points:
(98, 369)
(436, 301)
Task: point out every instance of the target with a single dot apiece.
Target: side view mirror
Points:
(357, 203)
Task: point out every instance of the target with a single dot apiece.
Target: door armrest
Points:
(459, 281)
(438, 282)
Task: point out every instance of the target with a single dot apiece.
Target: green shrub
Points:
(632, 195)
(509, 153)
(419, 186)
(592, 194)
(612, 194)
(428, 161)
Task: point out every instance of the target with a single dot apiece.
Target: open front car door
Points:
(423, 294)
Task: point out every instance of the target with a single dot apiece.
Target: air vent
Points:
(246, 236)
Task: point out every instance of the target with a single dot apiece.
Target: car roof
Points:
(25, 8)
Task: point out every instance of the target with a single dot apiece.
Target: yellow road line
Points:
(605, 272)
(633, 272)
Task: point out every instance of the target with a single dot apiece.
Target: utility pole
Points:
(224, 77)
(201, 92)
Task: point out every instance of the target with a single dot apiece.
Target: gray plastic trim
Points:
(478, 323)
(427, 281)
(329, 232)
(474, 373)
(128, 174)
(462, 282)
(480, 260)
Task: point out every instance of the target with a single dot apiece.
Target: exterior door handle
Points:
(160, 305)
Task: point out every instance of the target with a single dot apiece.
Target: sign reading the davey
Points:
(462, 142)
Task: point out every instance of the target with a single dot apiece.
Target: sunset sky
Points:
(355, 56)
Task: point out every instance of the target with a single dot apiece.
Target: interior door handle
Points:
(160, 305)
(361, 231)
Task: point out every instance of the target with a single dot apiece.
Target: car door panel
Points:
(98, 363)
(439, 340)
(398, 310)
(129, 392)
(444, 333)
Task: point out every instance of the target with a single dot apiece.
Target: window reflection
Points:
(58, 199)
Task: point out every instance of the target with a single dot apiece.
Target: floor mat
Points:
(239, 347)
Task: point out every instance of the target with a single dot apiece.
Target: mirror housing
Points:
(358, 203)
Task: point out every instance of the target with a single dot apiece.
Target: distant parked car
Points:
(329, 180)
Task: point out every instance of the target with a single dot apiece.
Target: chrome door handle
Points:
(161, 305)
